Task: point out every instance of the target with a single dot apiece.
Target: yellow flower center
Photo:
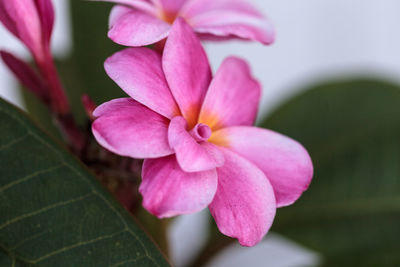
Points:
(168, 17)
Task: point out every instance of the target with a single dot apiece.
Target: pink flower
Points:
(145, 22)
(32, 22)
(195, 133)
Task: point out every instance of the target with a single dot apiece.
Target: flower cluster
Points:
(194, 130)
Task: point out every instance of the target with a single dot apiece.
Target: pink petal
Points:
(24, 15)
(191, 155)
(89, 105)
(187, 70)
(142, 5)
(26, 75)
(46, 15)
(127, 128)
(233, 96)
(243, 31)
(168, 191)
(284, 161)
(229, 18)
(116, 13)
(194, 8)
(244, 205)
(5, 18)
(172, 6)
(138, 72)
(132, 27)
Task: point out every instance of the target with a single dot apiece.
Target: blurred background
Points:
(330, 81)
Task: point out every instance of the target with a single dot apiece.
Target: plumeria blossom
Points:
(32, 21)
(196, 136)
(145, 22)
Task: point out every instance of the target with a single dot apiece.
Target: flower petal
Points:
(233, 96)
(187, 70)
(46, 15)
(191, 155)
(26, 75)
(117, 12)
(138, 72)
(22, 19)
(284, 161)
(244, 205)
(194, 8)
(168, 191)
(5, 18)
(172, 6)
(229, 18)
(128, 128)
(241, 28)
(133, 27)
(142, 5)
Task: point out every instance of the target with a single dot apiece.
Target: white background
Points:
(315, 40)
(318, 40)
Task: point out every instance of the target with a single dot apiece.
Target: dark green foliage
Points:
(351, 212)
(54, 212)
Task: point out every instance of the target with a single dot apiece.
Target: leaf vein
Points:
(62, 159)
(79, 244)
(15, 141)
(13, 255)
(39, 211)
(127, 261)
(29, 239)
(28, 177)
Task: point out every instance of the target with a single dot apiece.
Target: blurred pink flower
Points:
(195, 133)
(145, 22)
(32, 22)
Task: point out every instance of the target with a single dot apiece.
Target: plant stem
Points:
(59, 104)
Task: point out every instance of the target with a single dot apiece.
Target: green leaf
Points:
(351, 212)
(53, 212)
